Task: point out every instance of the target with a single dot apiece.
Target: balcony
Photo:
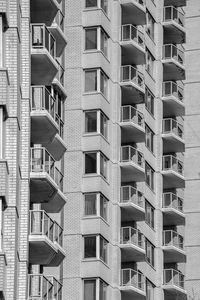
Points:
(173, 247)
(132, 244)
(173, 63)
(173, 95)
(172, 135)
(133, 46)
(43, 11)
(173, 283)
(43, 51)
(57, 288)
(176, 3)
(172, 207)
(132, 85)
(46, 181)
(132, 204)
(133, 284)
(133, 12)
(132, 125)
(132, 164)
(174, 23)
(58, 241)
(172, 171)
(40, 287)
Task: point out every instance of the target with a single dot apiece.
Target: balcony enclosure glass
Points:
(129, 73)
(130, 154)
(172, 126)
(171, 163)
(130, 114)
(170, 51)
(172, 238)
(171, 200)
(130, 235)
(130, 277)
(171, 88)
(171, 13)
(132, 33)
(173, 277)
(131, 194)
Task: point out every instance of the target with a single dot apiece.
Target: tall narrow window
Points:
(149, 138)
(150, 252)
(90, 162)
(1, 223)
(149, 214)
(103, 290)
(96, 121)
(90, 38)
(96, 81)
(90, 289)
(96, 204)
(149, 290)
(1, 41)
(149, 101)
(150, 63)
(1, 132)
(90, 80)
(90, 247)
(103, 249)
(150, 25)
(149, 174)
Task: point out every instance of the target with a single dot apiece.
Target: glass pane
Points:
(104, 43)
(104, 5)
(102, 290)
(90, 163)
(91, 3)
(90, 289)
(103, 125)
(103, 84)
(90, 247)
(91, 39)
(103, 249)
(91, 121)
(90, 81)
(90, 204)
(103, 207)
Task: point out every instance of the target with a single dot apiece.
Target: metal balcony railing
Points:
(42, 38)
(130, 235)
(172, 238)
(170, 13)
(130, 114)
(129, 73)
(40, 287)
(130, 154)
(41, 224)
(171, 88)
(130, 277)
(172, 163)
(42, 161)
(173, 277)
(170, 51)
(60, 73)
(132, 33)
(132, 195)
(43, 100)
(57, 288)
(172, 126)
(59, 20)
(171, 200)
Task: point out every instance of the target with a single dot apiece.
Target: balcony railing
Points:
(170, 51)
(172, 126)
(42, 100)
(171, 163)
(171, 88)
(60, 73)
(171, 200)
(171, 13)
(130, 114)
(129, 73)
(132, 33)
(57, 288)
(130, 277)
(42, 161)
(173, 277)
(42, 38)
(58, 233)
(41, 224)
(59, 19)
(130, 194)
(130, 235)
(172, 238)
(130, 154)
(40, 287)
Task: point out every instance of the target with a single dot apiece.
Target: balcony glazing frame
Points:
(173, 99)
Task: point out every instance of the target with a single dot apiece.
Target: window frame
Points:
(149, 108)
(149, 133)
(98, 197)
(150, 24)
(99, 6)
(99, 156)
(151, 175)
(98, 282)
(150, 247)
(99, 75)
(98, 256)
(149, 211)
(99, 117)
(100, 32)
(150, 284)
(149, 66)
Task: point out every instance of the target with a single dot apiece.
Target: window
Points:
(96, 39)
(90, 38)
(149, 138)
(96, 163)
(150, 252)
(96, 121)
(96, 81)
(96, 247)
(149, 214)
(149, 63)
(103, 4)
(149, 290)
(2, 208)
(1, 132)
(150, 25)
(103, 165)
(96, 204)
(95, 289)
(149, 101)
(149, 174)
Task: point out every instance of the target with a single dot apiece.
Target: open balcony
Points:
(132, 244)
(172, 207)
(133, 12)
(132, 164)
(57, 30)
(43, 11)
(174, 25)
(133, 46)
(57, 288)
(43, 51)
(173, 96)
(172, 171)
(132, 85)
(132, 125)
(40, 287)
(133, 284)
(58, 241)
(132, 204)
(172, 135)
(177, 3)
(173, 63)
(46, 181)
(173, 283)
(173, 247)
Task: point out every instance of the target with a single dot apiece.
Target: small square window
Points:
(90, 3)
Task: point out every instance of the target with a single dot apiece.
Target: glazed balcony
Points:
(172, 207)
(173, 247)
(177, 3)
(57, 30)
(40, 287)
(132, 125)
(173, 63)
(174, 25)
(43, 11)
(133, 12)
(132, 164)
(43, 51)
(172, 171)
(173, 96)
(132, 244)
(173, 136)
(46, 181)
(133, 46)
(133, 284)
(173, 283)
(132, 85)
(132, 204)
